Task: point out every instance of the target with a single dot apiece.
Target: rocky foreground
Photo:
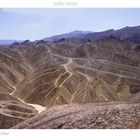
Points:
(92, 115)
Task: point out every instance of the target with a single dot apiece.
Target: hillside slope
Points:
(89, 116)
(40, 76)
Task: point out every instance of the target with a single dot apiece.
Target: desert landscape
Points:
(74, 80)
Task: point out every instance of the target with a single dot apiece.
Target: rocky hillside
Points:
(40, 76)
(90, 116)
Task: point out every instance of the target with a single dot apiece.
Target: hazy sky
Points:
(39, 23)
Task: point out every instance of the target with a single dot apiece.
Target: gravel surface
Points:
(87, 116)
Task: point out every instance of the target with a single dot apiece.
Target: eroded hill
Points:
(70, 71)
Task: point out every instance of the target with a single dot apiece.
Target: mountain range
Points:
(130, 34)
(8, 42)
(75, 80)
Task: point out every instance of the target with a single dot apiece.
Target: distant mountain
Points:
(71, 35)
(8, 42)
(129, 34)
